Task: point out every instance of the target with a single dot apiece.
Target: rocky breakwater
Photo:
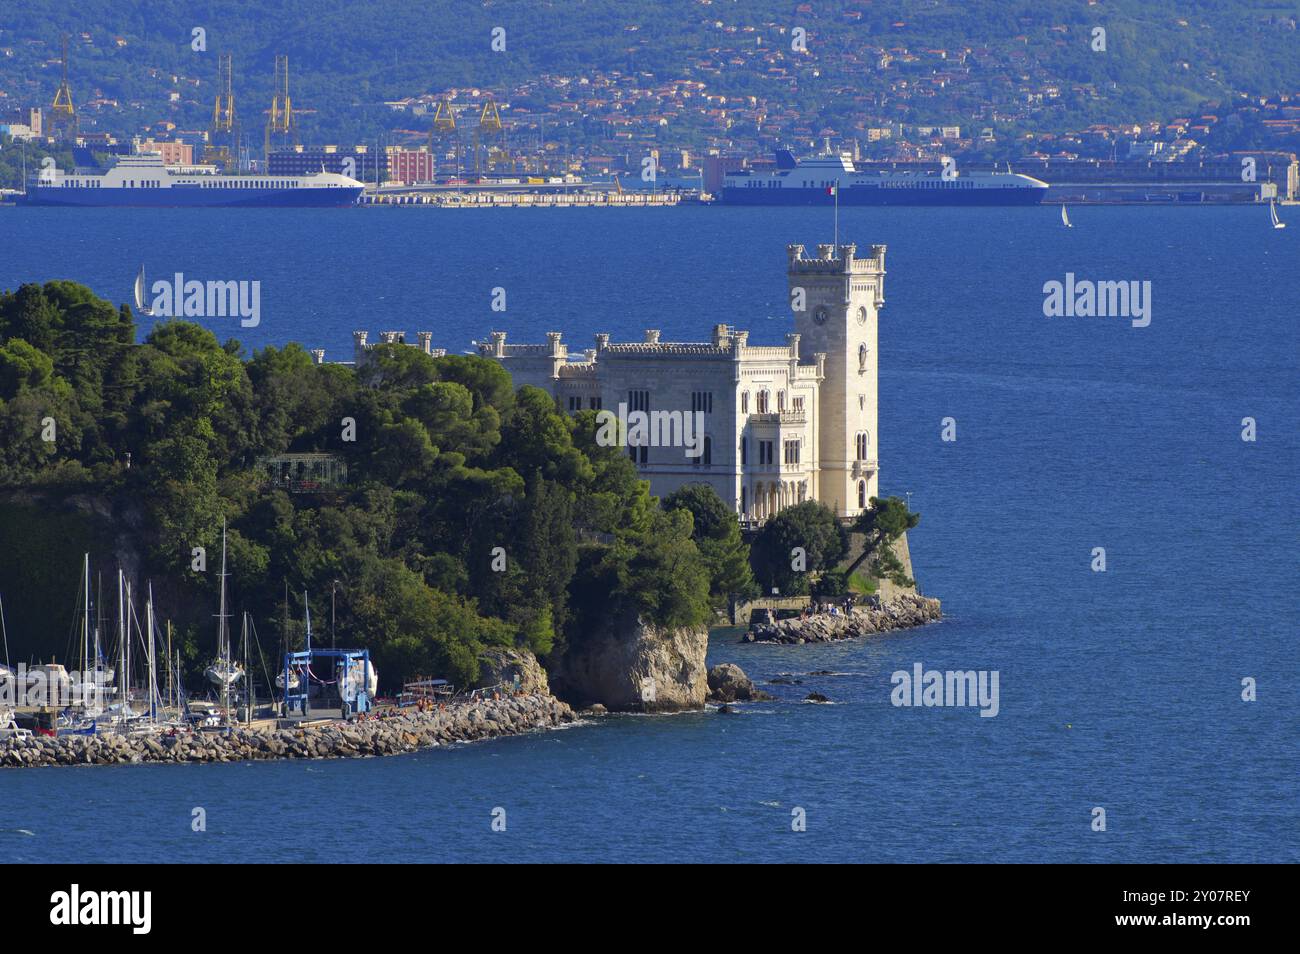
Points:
(390, 735)
(901, 612)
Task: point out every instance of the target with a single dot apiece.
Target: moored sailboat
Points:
(223, 672)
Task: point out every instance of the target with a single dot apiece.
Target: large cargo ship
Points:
(826, 179)
(144, 180)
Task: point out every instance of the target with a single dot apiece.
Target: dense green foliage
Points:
(473, 515)
(811, 527)
(716, 531)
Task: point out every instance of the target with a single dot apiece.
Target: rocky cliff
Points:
(634, 666)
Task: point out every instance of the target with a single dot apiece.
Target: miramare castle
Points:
(781, 424)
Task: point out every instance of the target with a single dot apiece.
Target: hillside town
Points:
(747, 90)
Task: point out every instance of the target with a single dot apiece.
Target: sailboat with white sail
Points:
(142, 306)
(1065, 217)
(1272, 214)
(224, 672)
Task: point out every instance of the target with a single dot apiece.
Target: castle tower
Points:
(836, 298)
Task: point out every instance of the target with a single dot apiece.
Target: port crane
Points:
(281, 124)
(63, 114)
(223, 131)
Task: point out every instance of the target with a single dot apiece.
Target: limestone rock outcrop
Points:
(501, 667)
(635, 666)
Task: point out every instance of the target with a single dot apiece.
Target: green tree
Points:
(716, 532)
(883, 523)
(811, 527)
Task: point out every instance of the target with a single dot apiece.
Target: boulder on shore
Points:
(728, 683)
(501, 667)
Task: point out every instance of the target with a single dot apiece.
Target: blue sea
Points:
(1120, 690)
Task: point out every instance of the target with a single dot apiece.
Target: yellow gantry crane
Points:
(280, 123)
(443, 134)
(223, 132)
(63, 114)
(489, 132)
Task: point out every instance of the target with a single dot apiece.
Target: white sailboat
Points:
(1272, 214)
(141, 305)
(224, 672)
(1065, 217)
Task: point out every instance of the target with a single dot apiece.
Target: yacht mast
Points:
(126, 653)
(223, 647)
(248, 678)
(149, 649)
(121, 647)
(85, 619)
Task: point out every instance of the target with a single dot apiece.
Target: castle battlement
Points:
(828, 262)
(362, 345)
(668, 349)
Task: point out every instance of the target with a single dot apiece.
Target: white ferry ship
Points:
(824, 179)
(144, 180)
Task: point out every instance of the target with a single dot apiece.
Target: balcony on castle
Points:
(783, 418)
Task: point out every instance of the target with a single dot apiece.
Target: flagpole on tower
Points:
(835, 193)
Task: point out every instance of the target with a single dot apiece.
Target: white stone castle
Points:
(781, 424)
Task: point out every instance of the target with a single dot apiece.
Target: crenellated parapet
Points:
(836, 260)
(362, 345)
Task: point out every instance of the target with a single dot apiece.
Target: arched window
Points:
(744, 402)
(780, 401)
(762, 402)
(862, 443)
(862, 494)
(862, 357)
